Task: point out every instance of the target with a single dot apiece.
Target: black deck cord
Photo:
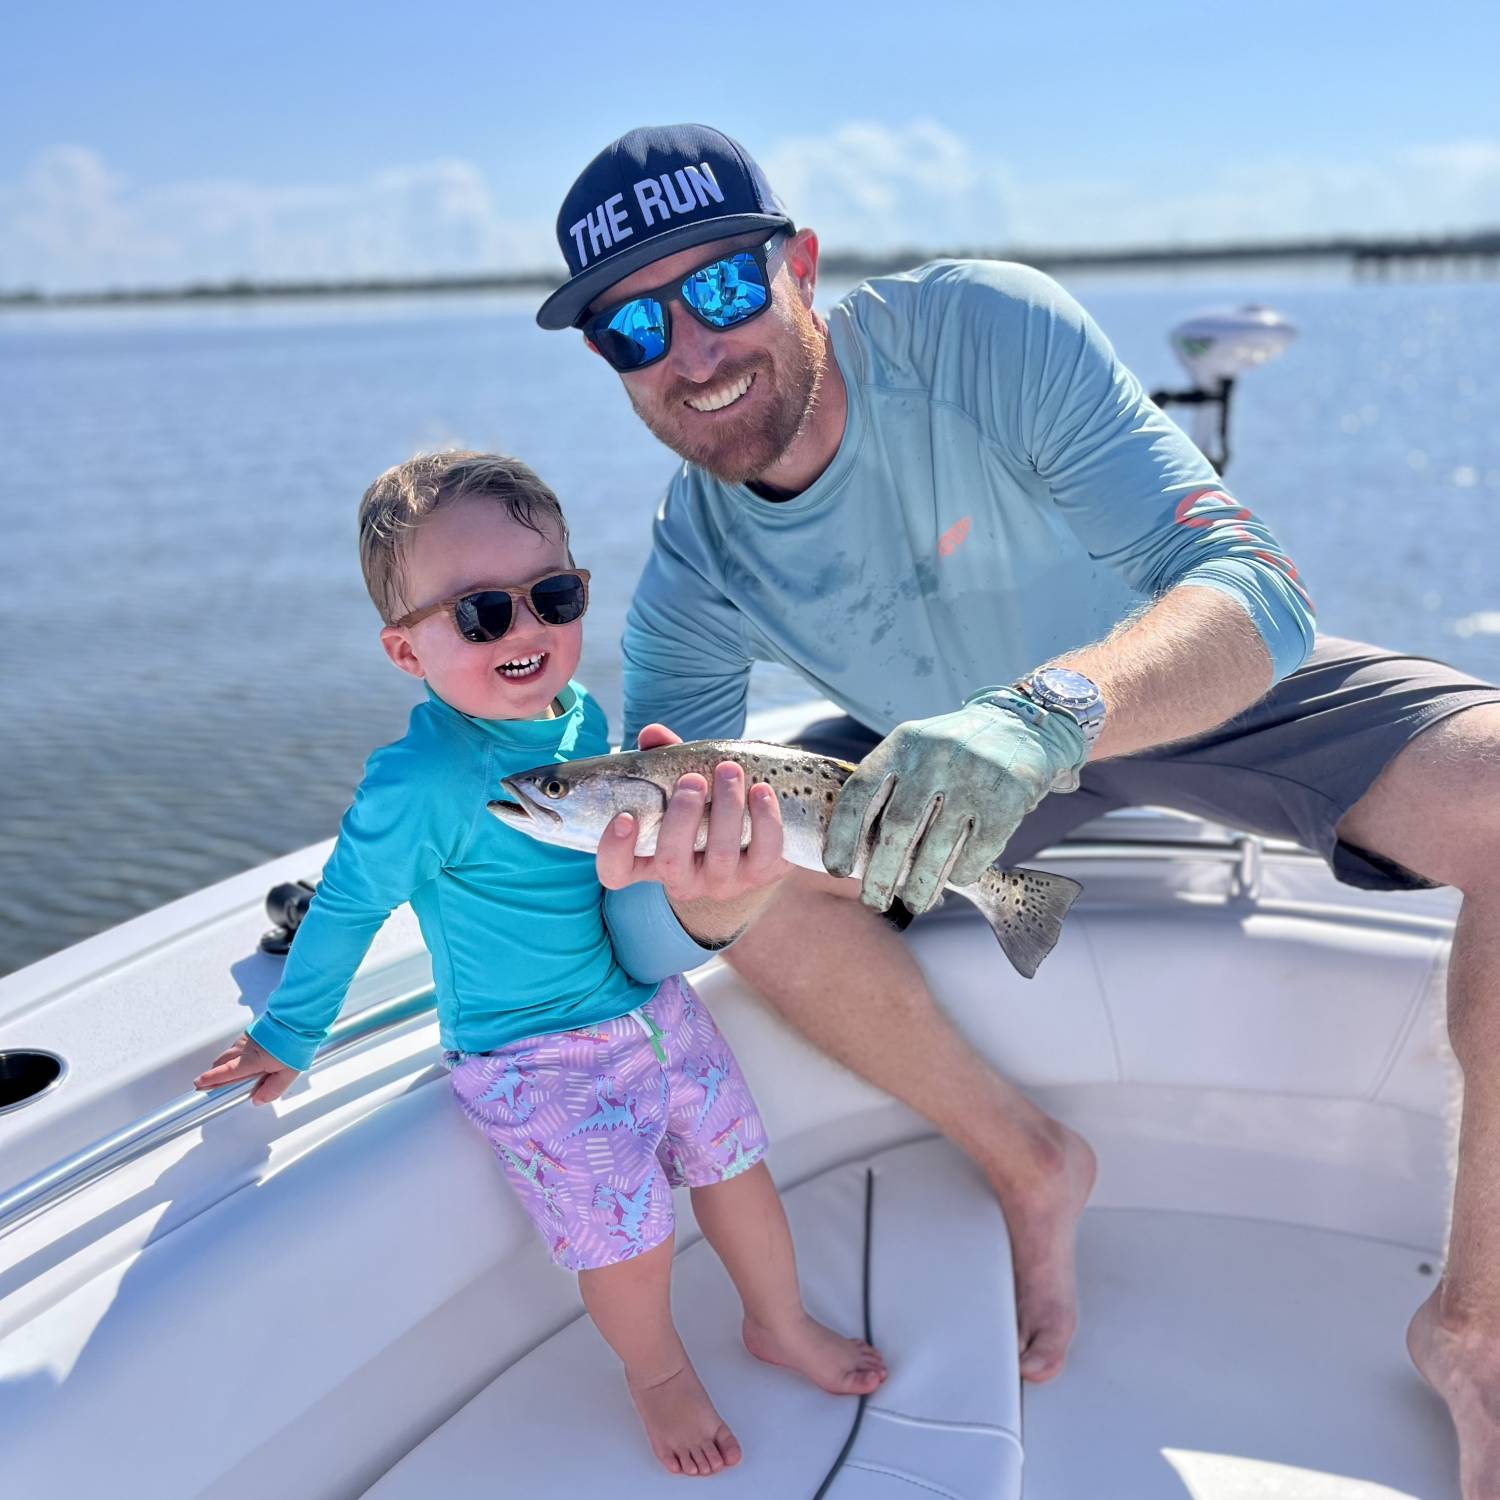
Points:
(859, 1410)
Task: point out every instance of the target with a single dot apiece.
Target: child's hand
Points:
(717, 892)
(245, 1059)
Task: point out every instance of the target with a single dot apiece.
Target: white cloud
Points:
(878, 187)
(71, 221)
(1427, 191)
(70, 210)
(1464, 178)
(881, 187)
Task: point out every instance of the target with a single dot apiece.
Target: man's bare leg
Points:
(886, 1027)
(1436, 810)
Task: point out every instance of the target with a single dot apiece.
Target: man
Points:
(954, 512)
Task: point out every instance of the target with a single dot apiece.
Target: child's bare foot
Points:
(686, 1433)
(846, 1367)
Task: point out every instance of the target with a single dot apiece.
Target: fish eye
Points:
(555, 788)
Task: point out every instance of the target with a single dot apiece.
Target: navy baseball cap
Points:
(653, 192)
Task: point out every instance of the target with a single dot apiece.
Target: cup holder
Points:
(25, 1076)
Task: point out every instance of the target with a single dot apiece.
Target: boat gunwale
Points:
(79, 1169)
(70, 1174)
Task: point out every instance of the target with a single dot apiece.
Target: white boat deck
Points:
(1220, 1359)
(323, 1287)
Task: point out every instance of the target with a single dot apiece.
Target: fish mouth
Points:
(521, 810)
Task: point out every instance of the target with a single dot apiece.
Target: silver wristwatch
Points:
(1066, 691)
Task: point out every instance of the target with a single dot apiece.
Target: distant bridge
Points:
(1422, 257)
(1463, 255)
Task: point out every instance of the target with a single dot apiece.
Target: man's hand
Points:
(948, 792)
(246, 1059)
(715, 893)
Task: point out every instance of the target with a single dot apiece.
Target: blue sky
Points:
(157, 143)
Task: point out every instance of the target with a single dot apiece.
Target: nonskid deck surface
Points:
(1233, 1359)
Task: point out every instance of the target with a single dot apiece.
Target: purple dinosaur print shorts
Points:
(596, 1127)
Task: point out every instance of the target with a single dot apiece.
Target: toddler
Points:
(600, 1086)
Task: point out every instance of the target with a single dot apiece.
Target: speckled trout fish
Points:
(571, 803)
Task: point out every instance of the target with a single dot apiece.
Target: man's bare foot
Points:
(1465, 1371)
(845, 1367)
(1043, 1222)
(686, 1433)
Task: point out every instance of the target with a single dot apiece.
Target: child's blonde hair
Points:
(403, 497)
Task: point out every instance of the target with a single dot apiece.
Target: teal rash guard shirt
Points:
(1004, 491)
(524, 939)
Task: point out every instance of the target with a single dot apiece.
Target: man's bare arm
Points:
(1189, 662)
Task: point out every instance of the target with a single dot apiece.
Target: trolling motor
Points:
(1215, 347)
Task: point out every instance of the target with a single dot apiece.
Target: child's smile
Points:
(524, 667)
(476, 545)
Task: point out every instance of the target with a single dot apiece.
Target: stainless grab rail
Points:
(1247, 853)
(89, 1163)
(75, 1172)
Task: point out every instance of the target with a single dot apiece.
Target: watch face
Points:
(1066, 687)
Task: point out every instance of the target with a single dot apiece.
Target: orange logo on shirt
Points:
(953, 538)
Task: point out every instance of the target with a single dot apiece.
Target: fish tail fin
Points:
(1026, 910)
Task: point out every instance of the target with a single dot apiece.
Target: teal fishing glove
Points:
(944, 795)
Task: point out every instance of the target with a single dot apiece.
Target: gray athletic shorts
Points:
(1289, 767)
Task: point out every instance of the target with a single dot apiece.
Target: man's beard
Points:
(742, 447)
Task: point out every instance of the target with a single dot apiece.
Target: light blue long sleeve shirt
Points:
(523, 938)
(1004, 491)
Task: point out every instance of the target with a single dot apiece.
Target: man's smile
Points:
(724, 394)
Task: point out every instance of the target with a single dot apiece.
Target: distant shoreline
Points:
(1475, 254)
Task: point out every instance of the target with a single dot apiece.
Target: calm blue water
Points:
(191, 675)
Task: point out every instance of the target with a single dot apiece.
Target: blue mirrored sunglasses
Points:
(722, 293)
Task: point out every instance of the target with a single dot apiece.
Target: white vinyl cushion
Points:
(1229, 1359)
(946, 1423)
